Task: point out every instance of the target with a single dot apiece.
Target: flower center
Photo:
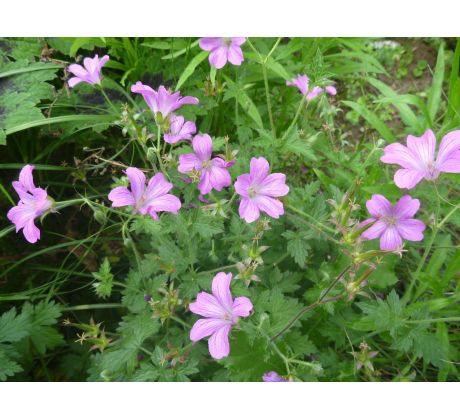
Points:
(252, 191)
(227, 41)
(391, 220)
(206, 164)
(431, 169)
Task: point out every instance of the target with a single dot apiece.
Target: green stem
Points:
(180, 321)
(313, 220)
(107, 99)
(225, 267)
(421, 264)
(157, 151)
(93, 306)
(428, 321)
(319, 302)
(296, 117)
(269, 104)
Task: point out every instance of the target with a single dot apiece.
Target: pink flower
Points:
(273, 377)
(162, 102)
(223, 50)
(393, 223)
(33, 203)
(331, 90)
(180, 130)
(417, 159)
(90, 72)
(220, 314)
(149, 200)
(302, 81)
(213, 172)
(258, 190)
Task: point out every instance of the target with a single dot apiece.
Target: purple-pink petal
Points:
(221, 290)
(272, 377)
(219, 346)
(274, 185)
(137, 180)
(207, 305)
(390, 239)
(205, 327)
(411, 229)
(273, 207)
(448, 159)
(202, 146)
(235, 55)
(168, 202)
(242, 184)
(406, 207)
(375, 231)
(188, 162)
(242, 306)
(210, 43)
(248, 210)
(121, 197)
(259, 168)
(408, 178)
(378, 206)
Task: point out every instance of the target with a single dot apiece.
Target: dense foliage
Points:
(106, 293)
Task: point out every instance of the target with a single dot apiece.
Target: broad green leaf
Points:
(372, 119)
(434, 95)
(246, 103)
(188, 71)
(406, 113)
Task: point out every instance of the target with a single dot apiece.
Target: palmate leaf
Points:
(22, 88)
(248, 359)
(13, 327)
(8, 367)
(133, 331)
(43, 317)
(103, 286)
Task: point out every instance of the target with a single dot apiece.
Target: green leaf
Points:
(406, 113)
(104, 284)
(297, 245)
(8, 367)
(13, 327)
(59, 120)
(44, 316)
(188, 71)
(372, 119)
(245, 102)
(22, 87)
(434, 95)
(180, 52)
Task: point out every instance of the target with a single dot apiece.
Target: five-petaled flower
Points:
(391, 223)
(258, 190)
(150, 199)
(179, 130)
(273, 377)
(162, 102)
(302, 82)
(418, 158)
(221, 312)
(33, 203)
(213, 171)
(223, 50)
(90, 72)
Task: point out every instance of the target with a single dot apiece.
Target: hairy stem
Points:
(320, 301)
